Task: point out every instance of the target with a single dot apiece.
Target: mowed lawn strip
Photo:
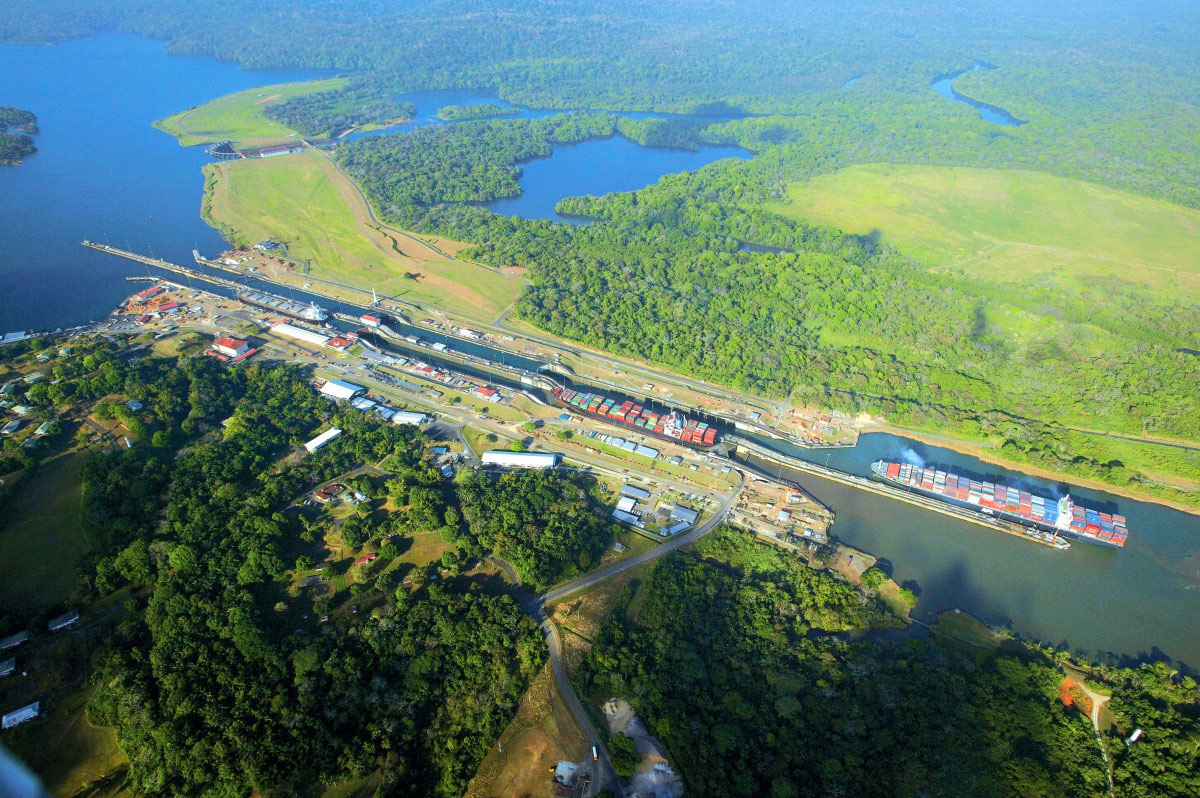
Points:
(303, 200)
(238, 117)
(1008, 224)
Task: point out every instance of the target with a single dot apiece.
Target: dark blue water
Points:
(944, 85)
(591, 167)
(101, 171)
(1102, 602)
(598, 167)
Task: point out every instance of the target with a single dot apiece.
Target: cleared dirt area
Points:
(303, 201)
(542, 734)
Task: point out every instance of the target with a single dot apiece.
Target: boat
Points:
(671, 426)
(1046, 516)
(310, 312)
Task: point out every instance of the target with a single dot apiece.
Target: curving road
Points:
(603, 776)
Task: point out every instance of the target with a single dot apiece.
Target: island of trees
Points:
(16, 127)
(458, 113)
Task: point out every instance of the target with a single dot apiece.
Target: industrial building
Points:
(637, 493)
(27, 712)
(231, 346)
(681, 513)
(500, 457)
(625, 518)
(338, 389)
(322, 439)
(646, 451)
(8, 666)
(405, 417)
(300, 334)
(626, 504)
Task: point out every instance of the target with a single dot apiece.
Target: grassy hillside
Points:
(303, 200)
(238, 117)
(1009, 226)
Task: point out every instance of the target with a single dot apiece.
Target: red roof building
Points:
(338, 343)
(231, 346)
(370, 321)
(149, 292)
(365, 559)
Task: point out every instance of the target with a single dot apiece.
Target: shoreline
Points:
(982, 452)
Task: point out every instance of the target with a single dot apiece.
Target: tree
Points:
(623, 754)
(874, 578)
(304, 563)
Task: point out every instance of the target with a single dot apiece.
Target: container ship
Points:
(1061, 516)
(285, 306)
(673, 426)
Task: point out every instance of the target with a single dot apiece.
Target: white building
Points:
(27, 712)
(338, 389)
(231, 347)
(12, 641)
(500, 457)
(626, 504)
(300, 334)
(8, 666)
(405, 417)
(63, 621)
(322, 439)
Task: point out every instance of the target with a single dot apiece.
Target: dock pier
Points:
(162, 264)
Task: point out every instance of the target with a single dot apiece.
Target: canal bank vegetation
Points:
(244, 118)
(738, 633)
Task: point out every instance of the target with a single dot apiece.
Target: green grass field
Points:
(238, 117)
(41, 538)
(304, 201)
(1010, 226)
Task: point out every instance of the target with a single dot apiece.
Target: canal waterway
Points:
(1136, 602)
(103, 173)
(944, 85)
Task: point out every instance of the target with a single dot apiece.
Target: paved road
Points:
(601, 574)
(603, 776)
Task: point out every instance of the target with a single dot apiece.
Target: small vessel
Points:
(671, 426)
(1039, 515)
(310, 312)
